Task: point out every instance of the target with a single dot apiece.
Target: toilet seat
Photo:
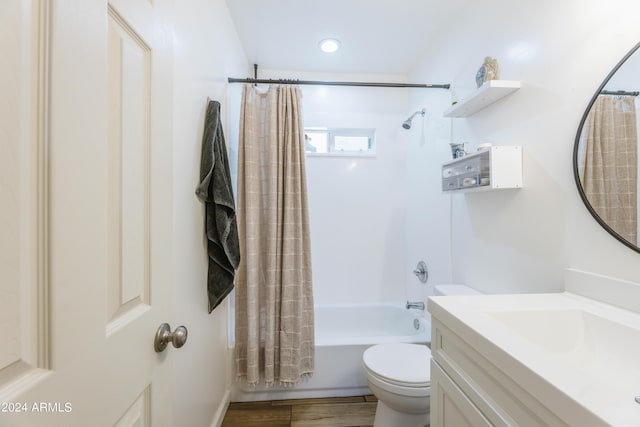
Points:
(400, 364)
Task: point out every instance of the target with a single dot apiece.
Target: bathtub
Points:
(343, 332)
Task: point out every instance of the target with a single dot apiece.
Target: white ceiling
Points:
(378, 36)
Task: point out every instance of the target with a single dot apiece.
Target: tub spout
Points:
(415, 304)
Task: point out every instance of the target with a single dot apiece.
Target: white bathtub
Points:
(343, 332)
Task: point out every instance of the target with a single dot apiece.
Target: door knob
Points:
(164, 336)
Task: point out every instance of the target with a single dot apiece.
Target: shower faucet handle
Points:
(422, 272)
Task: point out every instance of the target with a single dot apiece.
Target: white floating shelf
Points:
(487, 94)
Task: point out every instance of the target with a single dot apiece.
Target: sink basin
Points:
(583, 339)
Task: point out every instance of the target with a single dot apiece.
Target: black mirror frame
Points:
(576, 175)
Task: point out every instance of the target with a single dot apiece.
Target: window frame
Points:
(332, 133)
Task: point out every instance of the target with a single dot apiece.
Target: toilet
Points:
(398, 374)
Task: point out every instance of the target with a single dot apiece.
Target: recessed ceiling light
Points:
(329, 45)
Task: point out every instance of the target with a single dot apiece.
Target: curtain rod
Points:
(619, 92)
(322, 83)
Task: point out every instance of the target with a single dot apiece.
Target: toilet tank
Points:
(455, 290)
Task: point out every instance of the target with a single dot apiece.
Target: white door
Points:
(85, 218)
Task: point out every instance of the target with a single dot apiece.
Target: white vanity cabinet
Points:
(468, 389)
(546, 359)
(454, 408)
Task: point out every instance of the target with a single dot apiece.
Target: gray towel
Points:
(217, 194)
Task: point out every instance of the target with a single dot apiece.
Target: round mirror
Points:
(605, 155)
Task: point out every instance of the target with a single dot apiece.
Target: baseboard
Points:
(222, 409)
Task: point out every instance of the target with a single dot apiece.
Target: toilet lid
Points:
(399, 363)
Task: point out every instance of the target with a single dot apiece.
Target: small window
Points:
(340, 142)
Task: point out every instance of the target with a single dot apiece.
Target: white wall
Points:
(207, 51)
(357, 204)
(521, 240)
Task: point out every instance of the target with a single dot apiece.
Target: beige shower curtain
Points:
(274, 329)
(609, 172)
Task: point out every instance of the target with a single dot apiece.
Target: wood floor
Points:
(356, 411)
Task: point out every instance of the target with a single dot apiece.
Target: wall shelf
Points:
(497, 168)
(485, 95)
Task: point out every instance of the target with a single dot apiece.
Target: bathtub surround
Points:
(274, 327)
(343, 333)
(216, 193)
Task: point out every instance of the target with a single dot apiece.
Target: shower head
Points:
(407, 123)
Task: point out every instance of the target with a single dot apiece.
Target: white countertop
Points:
(573, 354)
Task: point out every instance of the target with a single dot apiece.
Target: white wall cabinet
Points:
(498, 167)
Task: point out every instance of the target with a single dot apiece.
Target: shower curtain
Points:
(609, 172)
(274, 302)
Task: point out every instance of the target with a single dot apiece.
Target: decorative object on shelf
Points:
(458, 149)
(488, 71)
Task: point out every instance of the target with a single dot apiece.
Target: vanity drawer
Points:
(498, 398)
(454, 409)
